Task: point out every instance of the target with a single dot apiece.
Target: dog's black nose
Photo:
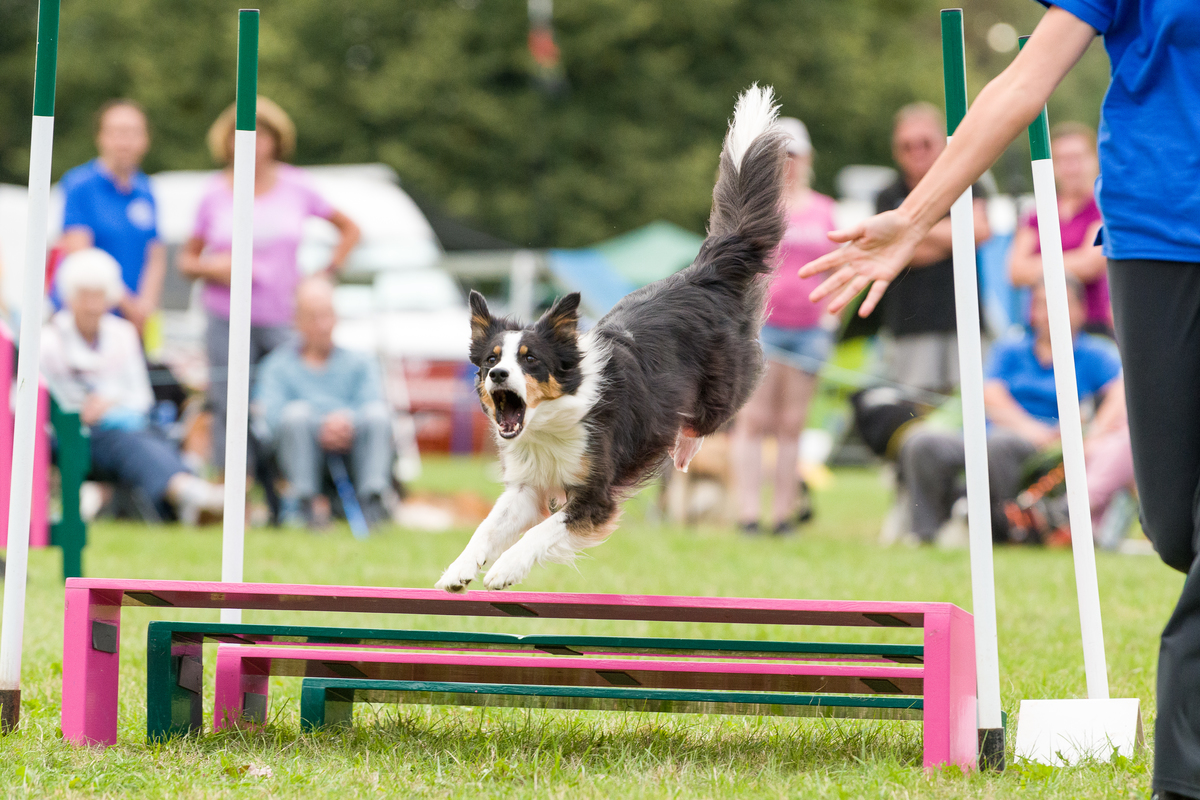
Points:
(498, 375)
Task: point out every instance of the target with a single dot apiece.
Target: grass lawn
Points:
(451, 752)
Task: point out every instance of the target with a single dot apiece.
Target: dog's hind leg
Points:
(517, 509)
(590, 516)
(685, 448)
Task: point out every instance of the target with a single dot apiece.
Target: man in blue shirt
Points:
(1022, 409)
(109, 206)
(315, 399)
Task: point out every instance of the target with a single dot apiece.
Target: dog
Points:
(583, 419)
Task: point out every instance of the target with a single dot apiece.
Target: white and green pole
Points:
(41, 147)
(1062, 345)
(238, 380)
(970, 365)
(1068, 730)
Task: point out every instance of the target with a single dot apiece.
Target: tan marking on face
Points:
(523, 350)
(538, 392)
(496, 349)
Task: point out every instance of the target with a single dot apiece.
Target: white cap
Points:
(798, 143)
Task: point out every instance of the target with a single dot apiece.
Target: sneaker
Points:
(316, 512)
(748, 528)
(785, 528)
(375, 511)
(1118, 518)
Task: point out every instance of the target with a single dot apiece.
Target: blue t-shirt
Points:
(1149, 138)
(1031, 383)
(347, 381)
(122, 223)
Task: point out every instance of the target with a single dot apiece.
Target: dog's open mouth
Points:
(510, 412)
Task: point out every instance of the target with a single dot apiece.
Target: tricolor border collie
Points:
(582, 419)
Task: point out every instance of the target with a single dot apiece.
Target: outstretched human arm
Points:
(877, 249)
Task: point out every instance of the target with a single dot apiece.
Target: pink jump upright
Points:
(39, 528)
(945, 679)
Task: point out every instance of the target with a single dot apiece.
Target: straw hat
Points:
(268, 114)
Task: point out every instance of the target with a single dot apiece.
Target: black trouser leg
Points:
(1156, 309)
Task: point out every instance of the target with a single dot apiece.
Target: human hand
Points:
(872, 254)
(1040, 435)
(217, 268)
(94, 409)
(337, 432)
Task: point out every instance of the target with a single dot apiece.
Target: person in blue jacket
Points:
(1149, 196)
(109, 206)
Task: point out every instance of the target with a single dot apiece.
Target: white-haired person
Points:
(797, 337)
(92, 362)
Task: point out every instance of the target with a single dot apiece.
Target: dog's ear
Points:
(481, 318)
(562, 320)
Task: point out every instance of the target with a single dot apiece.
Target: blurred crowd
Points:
(319, 415)
(910, 416)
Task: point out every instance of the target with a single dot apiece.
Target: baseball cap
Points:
(798, 143)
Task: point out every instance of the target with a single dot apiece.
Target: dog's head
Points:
(522, 367)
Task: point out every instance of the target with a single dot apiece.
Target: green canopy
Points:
(651, 252)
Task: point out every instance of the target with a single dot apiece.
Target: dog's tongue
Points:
(510, 413)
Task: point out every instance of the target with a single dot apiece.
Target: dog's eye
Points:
(530, 360)
(490, 360)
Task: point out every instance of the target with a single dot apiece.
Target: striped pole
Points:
(970, 365)
(25, 424)
(238, 380)
(1070, 427)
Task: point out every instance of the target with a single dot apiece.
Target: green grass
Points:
(451, 752)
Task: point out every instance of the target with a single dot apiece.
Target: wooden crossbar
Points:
(174, 662)
(330, 701)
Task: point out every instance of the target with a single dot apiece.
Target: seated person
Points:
(316, 399)
(92, 362)
(1022, 411)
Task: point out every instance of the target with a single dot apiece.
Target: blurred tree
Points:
(444, 91)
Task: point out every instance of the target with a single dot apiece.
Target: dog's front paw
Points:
(510, 569)
(458, 575)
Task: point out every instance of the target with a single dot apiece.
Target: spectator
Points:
(92, 362)
(316, 399)
(920, 348)
(797, 336)
(283, 200)
(1022, 408)
(109, 206)
(1076, 167)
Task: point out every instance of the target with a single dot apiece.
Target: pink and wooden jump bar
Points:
(946, 679)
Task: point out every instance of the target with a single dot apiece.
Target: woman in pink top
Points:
(283, 200)
(1076, 166)
(797, 337)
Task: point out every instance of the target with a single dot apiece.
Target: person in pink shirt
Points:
(283, 200)
(797, 337)
(1076, 165)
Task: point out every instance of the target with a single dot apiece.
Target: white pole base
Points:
(1063, 732)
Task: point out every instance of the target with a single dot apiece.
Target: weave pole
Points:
(41, 147)
(233, 542)
(1066, 730)
(970, 366)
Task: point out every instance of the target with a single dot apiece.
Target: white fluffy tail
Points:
(753, 115)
